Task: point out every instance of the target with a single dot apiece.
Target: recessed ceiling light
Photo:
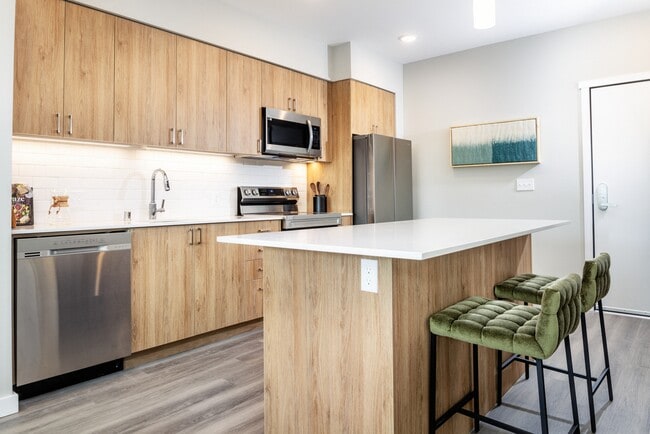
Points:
(407, 38)
(484, 14)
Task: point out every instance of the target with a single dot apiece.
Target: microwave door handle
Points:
(311, 136)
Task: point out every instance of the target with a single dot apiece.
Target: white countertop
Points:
(120, 225)
(412, 239)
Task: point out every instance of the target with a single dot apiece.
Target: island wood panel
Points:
(327, 347)
(244, 96)
(423, 287)
(161, 286)
(89, 74)
(200, 96)
(38, 67)
(359, 361)
(145, 84)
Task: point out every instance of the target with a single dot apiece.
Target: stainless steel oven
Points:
(282, 201)
(73, 304)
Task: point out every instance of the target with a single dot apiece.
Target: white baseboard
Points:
(8, 404)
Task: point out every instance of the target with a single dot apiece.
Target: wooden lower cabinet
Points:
(184, 283)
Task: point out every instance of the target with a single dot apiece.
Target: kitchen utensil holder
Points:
(320, 203)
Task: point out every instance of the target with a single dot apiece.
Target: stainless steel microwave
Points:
(290, 135)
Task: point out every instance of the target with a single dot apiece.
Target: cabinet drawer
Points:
(253, 270)
(253, 252)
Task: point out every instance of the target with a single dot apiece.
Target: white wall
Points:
(102, 182)
(534, 76)
(8, 400)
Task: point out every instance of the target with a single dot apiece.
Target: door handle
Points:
(602, 197)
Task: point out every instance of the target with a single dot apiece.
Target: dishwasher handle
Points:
(90, 249)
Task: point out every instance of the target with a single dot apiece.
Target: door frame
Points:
(587, 156)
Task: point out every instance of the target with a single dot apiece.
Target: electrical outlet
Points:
(525, 184)
(369, 275)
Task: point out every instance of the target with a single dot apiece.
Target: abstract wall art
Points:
(507, 142)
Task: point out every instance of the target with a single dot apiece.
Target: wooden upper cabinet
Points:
(373, 110)
(64, 65)
(201, 96)
(244, 100)
(276, 87)
(145, 85)
(38, 67)
(89, 71)
(288, 90)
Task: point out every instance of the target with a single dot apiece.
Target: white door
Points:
(620, 139)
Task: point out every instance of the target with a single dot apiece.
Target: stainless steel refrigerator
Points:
(382, 182)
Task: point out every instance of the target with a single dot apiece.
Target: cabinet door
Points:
(386, 113)
(305, 93)
(145, 85)
(216, 301)
(364, 108)
(244, 104)
(89, 73)
(201, 96)
(276, 87)
(38, 67)
(161, 286)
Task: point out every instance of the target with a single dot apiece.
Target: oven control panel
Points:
(262, 193)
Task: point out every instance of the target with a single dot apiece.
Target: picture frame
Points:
(495, 143)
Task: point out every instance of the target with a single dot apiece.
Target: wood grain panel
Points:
(244, 102)
(89, 73)
(276, 86)
(346, 220)
(145, 84)
(161, 287)
(360, 360)
(201, 96)
(338, 173)
(38, 67)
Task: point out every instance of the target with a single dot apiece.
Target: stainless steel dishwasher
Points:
(73, 304)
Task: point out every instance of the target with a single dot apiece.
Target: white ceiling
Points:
(442, 26)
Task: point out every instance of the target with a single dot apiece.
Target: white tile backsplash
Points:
(104, 181)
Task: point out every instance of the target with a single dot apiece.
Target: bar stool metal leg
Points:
(590, 386)
(539, 364)
(432, 386)
(572, 386)
(605, 350)
(499, 376)
(477, 414)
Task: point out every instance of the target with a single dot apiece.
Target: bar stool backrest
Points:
(595, 281)
(560, 313)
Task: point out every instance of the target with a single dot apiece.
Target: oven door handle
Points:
(311, 136)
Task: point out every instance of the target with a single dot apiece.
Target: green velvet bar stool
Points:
(529, 288)
(505, 326)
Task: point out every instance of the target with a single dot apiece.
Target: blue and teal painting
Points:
(495, 143)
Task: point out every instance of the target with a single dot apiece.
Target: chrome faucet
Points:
(153, 207)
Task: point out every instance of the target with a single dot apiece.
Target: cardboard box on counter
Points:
(22, 204)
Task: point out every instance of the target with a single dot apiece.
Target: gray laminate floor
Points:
(219, 389)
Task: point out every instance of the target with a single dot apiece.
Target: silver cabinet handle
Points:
(70, 125)
(289, 104)
(259, 146)
(181, 137)
(172, 136)
(264, 230)
(58, 123)
(294, 104)
(198, 230)
(190, 232)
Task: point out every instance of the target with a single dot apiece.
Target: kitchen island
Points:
(339, 359)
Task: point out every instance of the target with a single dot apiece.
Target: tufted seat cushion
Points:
(530, 287)
(502, 325)
(523, 287)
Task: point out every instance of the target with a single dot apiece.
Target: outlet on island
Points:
(369, 273)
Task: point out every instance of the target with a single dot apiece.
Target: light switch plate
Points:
(369, 272)
(525, 184)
